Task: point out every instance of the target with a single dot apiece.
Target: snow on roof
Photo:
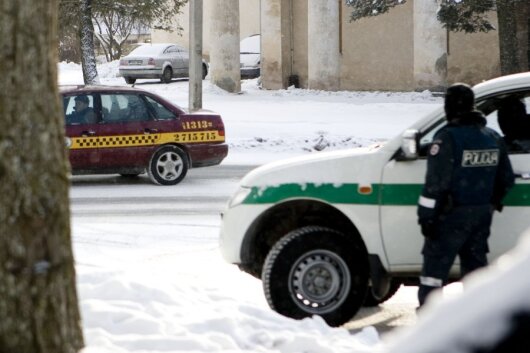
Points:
(508, 82)
(150, 48)
(250, 45)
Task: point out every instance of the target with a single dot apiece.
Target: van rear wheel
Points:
(316, 271)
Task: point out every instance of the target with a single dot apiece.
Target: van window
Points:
(507, 114)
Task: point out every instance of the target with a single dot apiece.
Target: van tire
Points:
(370, 300)
(315, 270)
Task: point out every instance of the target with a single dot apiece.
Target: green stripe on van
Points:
(392, 194)
(519, 195)
(344, 193)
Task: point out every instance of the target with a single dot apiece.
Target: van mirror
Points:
(409, 145)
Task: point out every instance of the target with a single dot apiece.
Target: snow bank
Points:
(480, 316)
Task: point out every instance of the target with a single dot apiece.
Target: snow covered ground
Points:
(158, 283)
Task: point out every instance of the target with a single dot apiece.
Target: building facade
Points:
(313, 44)
(249, 24)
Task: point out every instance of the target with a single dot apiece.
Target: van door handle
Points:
(88, 133)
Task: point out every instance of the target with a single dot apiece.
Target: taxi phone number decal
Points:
(205, 136)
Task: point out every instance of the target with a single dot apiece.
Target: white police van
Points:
(330, 232)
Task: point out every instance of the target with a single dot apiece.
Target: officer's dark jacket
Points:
(467, 165)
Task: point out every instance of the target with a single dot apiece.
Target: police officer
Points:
(468, 175)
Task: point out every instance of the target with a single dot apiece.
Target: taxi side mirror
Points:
(409, 146)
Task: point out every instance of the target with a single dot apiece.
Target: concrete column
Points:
(224, 49)
(323, 45)
(430, 47)
(275, 43)
(195, 71)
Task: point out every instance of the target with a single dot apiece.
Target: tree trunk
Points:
(86, 36)
(509, 52)
(523, 36)
(38, 300)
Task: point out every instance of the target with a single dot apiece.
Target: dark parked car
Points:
(129, 131)
(162, 61)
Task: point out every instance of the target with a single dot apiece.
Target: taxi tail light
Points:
(151, 61)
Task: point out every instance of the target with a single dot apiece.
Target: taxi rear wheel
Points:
(168, 166)
(316, 271)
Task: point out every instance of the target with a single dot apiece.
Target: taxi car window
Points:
(79, 109)
(123, 108)
(160, 112)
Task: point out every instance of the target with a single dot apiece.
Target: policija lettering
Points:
(480, 158)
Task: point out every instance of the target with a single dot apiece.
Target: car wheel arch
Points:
(183, 148)
(284, 217)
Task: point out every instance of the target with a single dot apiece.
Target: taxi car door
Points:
(128, 134)
(81, 127)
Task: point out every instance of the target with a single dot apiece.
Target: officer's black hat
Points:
(459, 99)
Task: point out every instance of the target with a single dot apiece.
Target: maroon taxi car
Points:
(128, 131)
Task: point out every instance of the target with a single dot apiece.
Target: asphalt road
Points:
(205, 192)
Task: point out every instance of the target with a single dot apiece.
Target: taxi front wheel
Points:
(316, 270)
(168, 166)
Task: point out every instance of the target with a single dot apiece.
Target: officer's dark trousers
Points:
(464, 231)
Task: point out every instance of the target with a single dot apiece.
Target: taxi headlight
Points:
(240, 196)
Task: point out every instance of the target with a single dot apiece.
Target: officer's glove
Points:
(428, 228)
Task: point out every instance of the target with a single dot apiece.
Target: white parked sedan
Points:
(163, 61)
